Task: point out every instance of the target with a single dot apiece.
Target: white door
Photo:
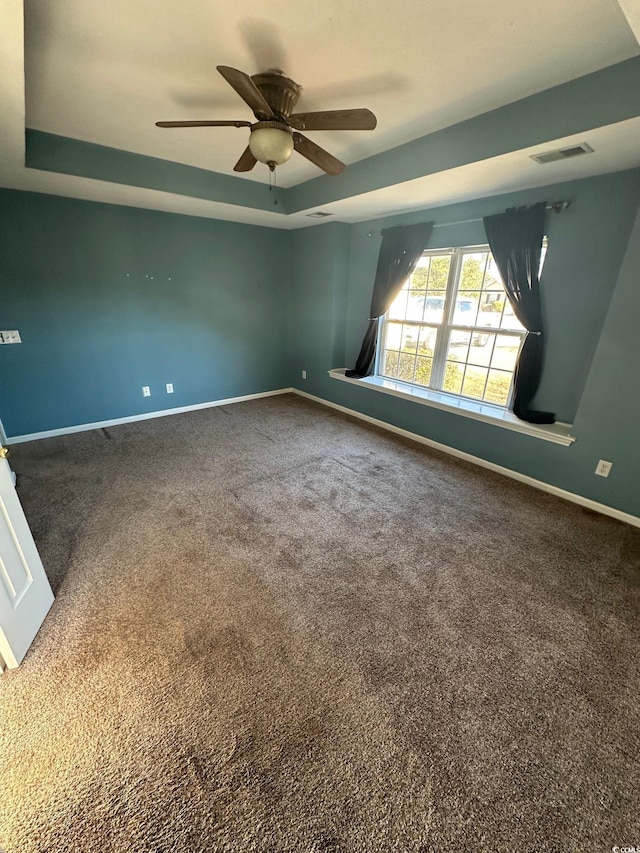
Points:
(25, 594)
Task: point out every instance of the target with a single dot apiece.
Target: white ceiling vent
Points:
(562, 153)
(319, 214)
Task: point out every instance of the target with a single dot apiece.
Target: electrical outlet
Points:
(169, 387)
(10, 337)
(146, 391)
(603, 468)
(304, 374)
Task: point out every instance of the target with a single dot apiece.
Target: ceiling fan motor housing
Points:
(280, 92)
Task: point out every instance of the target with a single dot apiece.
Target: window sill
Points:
(557, 433)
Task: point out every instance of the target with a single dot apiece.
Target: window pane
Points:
(434, 306)
(498, 387)
(453, 377)
(393, 335)
(472, 274)
(474, 382)
(481, 349)
(493, 279)
(423, 371)
(427, 340)
(419, 278)
(466, 309)
(458, 345)
(405, 366)
(439, 272)
(390, 364)
(415, 307)
(491, 308)
(409, 338)
(398, 307)
(506, 352)
(509, 319)
(494, 298)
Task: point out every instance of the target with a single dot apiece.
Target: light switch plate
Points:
(10, 337)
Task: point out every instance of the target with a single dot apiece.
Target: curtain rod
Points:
(556, 206)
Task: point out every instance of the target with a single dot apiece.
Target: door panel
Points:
(25, 594)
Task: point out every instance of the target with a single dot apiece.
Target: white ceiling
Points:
(106, 72)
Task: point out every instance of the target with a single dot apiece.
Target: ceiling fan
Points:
(276, 133)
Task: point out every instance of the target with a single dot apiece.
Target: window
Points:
(452, 328)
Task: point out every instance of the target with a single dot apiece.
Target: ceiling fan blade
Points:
(203, 124)
(248, 91)
(334, 120)
(246, 162)
(327, 162)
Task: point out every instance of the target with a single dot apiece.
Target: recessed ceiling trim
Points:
(381, 184)
(53, 153)
(567, 110)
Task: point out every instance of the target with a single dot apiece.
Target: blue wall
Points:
(318, 308)
(111, 298)
(108, 299)
(609, 415)
(587, 244)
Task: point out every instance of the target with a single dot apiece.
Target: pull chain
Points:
(272, 171)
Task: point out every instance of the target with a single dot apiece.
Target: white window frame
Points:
(445, 327)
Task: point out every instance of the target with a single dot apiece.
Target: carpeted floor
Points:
(280, 630)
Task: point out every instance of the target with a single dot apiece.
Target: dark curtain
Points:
(515, 238)
(400, 251)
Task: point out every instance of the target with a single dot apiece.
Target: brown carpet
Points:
(278, 629)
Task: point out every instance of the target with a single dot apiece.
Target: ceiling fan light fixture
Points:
(271, 142)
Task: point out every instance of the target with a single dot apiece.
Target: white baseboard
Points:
(483, 463)
(145, 416)
(444, 448)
